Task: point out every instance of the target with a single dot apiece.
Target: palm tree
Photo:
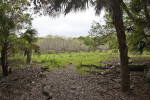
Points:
(30, 40)
(6, 24)
(13, 18)
(55, 7)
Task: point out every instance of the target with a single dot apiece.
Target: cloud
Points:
(72, 25)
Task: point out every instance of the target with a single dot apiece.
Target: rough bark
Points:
(29, 53)
(4, 60)
(119, 26)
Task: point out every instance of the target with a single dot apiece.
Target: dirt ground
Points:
(67, 84)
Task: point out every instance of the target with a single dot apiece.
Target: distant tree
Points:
(86, 39)
(57, 44)
(104, 34)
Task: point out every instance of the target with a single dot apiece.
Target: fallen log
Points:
(138, 67)
(131, 67)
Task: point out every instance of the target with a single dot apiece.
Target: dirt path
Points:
(66, 84)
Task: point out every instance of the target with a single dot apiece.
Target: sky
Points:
(72, 25)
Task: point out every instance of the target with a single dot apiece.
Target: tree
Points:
(29, 43)
(105, 34)
(4, 34)
(55, 7)
(138, 24)
(12, 19)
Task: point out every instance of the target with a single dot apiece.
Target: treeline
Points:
(57, 44)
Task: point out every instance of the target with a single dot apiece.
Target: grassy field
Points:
(78, 59)
(84, 58)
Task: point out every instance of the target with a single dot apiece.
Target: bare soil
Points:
(67, 84)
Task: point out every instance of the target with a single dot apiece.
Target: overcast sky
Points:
(72, 25)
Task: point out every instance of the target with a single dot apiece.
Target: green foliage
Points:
(136, 6)
(13, 18)
(137, 25)
(87, 40)
(103, 35)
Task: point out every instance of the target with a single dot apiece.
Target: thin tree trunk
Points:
(119, 26)
(29, 53)
(4, 60)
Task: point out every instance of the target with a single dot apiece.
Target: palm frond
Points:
(32, 32)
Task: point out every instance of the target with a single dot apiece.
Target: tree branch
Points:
(128, 12)
(134, 19)
(146, 12)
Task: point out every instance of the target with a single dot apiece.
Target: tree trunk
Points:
(4, 60)
(119, 26)
(29, 53)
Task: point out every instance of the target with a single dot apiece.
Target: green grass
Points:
(78, 59)
(138, 55)
(55, 61)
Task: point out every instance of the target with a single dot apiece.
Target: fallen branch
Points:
(97, 67)
(137, 67)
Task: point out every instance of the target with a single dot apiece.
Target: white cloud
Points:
(71, 25)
